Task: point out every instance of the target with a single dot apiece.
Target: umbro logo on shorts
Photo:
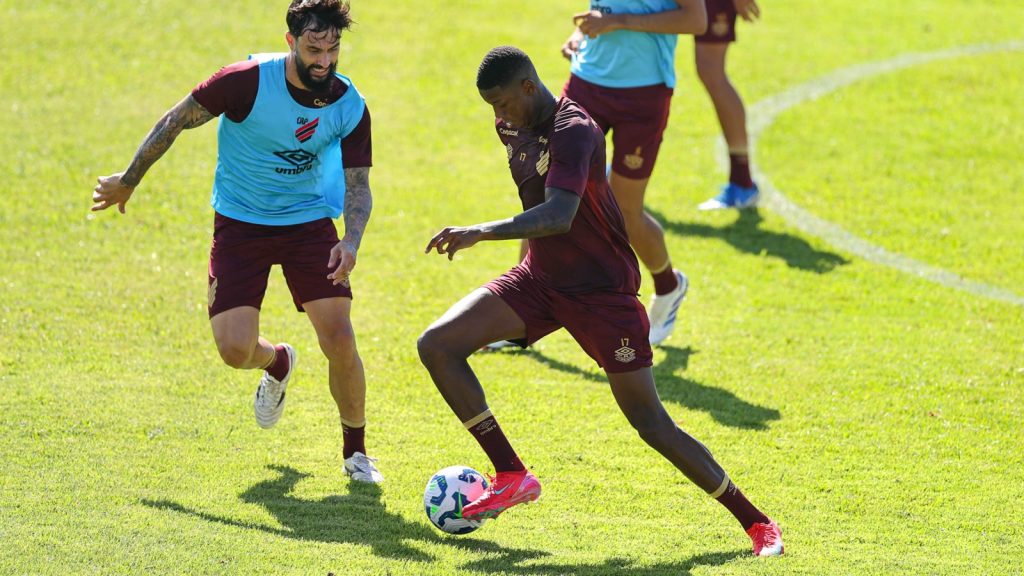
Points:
(625, 354)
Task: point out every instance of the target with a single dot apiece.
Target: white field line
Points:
(762, 115)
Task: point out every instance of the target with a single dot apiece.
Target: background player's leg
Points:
(648, 241)
(710, 61)
(645, 234)
(741, 191)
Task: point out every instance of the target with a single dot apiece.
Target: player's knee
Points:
(712, 76)
(339, 345)
(429, 346)
(433, 346)
(235, 354)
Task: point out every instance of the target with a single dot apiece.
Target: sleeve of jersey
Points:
(570, 152)
(357, 147)
(230, 91)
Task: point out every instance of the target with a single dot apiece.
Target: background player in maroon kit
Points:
(245, 245)
(709, 51)
(579, 273)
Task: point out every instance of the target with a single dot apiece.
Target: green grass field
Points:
(875, 415)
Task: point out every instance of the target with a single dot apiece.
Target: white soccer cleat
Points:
(362, 468)
(269, 401)
(500, 344)
(663, 309)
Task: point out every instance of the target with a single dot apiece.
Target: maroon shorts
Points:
(721, 22)
(637, 118)
(242, 253)
(611, 327)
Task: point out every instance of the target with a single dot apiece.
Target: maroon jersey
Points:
(232, 92)
(567, 151)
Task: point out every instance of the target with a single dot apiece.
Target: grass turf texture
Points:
(874, 415)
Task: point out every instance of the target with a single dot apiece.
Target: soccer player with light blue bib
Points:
(623, 73)
(294, 153)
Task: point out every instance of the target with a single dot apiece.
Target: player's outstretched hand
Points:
(110, 190)
(747, 9)
(454, 238)
(594, 23)
(343, 260)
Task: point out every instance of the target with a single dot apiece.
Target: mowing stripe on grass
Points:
(762, 115)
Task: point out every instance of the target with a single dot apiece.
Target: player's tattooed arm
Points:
(358, 204)
(553, 216)
(116, 189)
(184, 115)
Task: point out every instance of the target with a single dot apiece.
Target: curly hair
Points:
(317, 16)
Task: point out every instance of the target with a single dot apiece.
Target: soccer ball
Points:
(448, 490)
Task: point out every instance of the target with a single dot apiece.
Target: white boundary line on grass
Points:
(763, 114)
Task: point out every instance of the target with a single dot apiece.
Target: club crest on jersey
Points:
(508, 150)
(543, 163)
(306, 129)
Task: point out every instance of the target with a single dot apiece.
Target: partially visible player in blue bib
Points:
(623, 73)
(294, 152)
(628, 58)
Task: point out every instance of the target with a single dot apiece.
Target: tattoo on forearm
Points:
(185, 115)
(358, 203)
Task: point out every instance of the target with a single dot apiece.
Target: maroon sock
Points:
(665, 281)
(280, 365)
(741, 508)
(739, 169)
(496, 445)
(353, 440)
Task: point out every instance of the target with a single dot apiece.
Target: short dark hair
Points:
(501, 65)
(317, 16)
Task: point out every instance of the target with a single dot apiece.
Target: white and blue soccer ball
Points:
(448, 490)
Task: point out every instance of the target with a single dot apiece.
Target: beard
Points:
(314, 84)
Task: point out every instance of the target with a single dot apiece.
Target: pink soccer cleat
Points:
(767, 539)
(506, 490)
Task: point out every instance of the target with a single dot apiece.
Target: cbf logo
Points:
(306, 128)
(300, 159)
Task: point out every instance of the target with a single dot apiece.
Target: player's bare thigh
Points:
(475, 321)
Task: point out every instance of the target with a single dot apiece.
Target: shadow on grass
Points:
(745, 235)
(610, 566)
(358, 517)
(724, 406)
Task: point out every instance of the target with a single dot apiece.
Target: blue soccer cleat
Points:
(733, 196)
